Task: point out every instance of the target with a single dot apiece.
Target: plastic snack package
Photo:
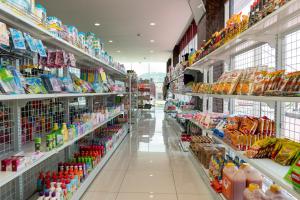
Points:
(61, 59)
(233, 123)
(35, 86)
(247, 83)
(4, 35)
(259, 83)
(31, 42)
(51, 58)
(19, 80)
(288, 176)
(287, 153)
(18, 39)
(71, 60)
(41, 49)
(41, 13)
(248, 125)
(6, 78)
(51, 83)
(232, 81)
(54, 25)
(67, 85)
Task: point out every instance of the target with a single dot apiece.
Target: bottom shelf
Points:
(84, 186)
(204, 175)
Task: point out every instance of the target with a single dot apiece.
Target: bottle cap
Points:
(253, 187)
(275, 188)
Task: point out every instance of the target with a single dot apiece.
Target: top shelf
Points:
(24, 23)
(282, 21)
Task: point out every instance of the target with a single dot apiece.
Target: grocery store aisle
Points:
(149, 165)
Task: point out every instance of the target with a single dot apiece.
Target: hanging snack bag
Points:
(4, 35)
(61, 59)
(41, 13)
(31, 42)
(51, 58)
(18, 39)
(248, 125)
(41, 49)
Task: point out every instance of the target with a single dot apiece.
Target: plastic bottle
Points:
(41, 196)
(253, 192)
(57, 136)
(275, 192)
(65, 132)
(53, 196)
(252, 175)
(47, 196)
(234, 182)
(40, 182)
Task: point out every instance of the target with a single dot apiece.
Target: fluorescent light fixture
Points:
(97, 24)
(152, 24)
(152, 41)
(110, 41)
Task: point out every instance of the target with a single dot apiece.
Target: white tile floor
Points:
(149, 165)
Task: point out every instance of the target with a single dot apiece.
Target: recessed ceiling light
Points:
(118, 51)
(151, 51)
(110, 41)
(97, 24)
(151, 175)
(151, 196)
(152, 24)
(152, 41)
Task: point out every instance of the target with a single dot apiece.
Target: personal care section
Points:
(237, 100)
(63, 105)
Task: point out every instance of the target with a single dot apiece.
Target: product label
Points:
(226, 187)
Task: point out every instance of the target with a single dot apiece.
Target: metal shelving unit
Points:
(273, 42)
(28, 115)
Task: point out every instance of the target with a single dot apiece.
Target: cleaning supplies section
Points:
(62, 105)
(243, 124)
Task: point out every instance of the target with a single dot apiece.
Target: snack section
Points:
(249, 112)
(62, 105)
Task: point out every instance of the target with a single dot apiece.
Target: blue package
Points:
(67, 85)
(35, 86)
(41, 49)
(19, 80)
(51, 83)
(18, 39)
(31, 43)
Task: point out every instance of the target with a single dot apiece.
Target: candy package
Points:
(4, 35)
(61, 59)
(19, 80)
(6, 81)
(287, 153)
(248, 125)
(35, 86)
(18, 39)
(31, 42)
(67, 85)
(41, 49)
(51, 83)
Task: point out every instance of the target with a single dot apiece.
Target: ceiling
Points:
(122, 20)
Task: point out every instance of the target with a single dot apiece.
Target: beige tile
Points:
(99, 195)
(145, 196)
(108, 181)
(146, 164)
(189, 182)
(147, 181)
(194, 197)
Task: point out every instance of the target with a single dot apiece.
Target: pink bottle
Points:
(275, 192)
(252, 175)
(234, 182)
(253, 192)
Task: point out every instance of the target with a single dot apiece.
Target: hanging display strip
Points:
(58, 95)
(19, 20)
(6, 177)
(280, 21)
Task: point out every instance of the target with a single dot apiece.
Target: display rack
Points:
(273, 41)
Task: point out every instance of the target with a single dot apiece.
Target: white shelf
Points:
(204, 175)
(84, 186)
(248, 97)
(6, 177)
(267, 167)
(24, 23)
(282, 21)
(55, 95)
